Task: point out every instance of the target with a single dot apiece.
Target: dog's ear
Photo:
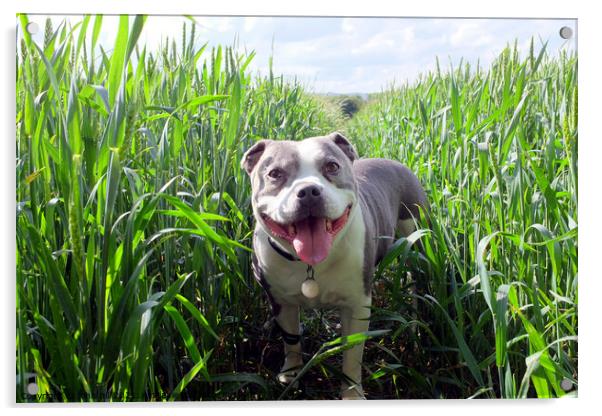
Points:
(344, 145)
(252, 156)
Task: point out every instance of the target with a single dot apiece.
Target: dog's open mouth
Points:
(311, 237)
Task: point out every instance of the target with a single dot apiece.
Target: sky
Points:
(352, 55)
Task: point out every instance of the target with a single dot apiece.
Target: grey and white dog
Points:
(324, 219)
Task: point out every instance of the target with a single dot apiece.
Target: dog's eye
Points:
(276, 173)
(331, 167)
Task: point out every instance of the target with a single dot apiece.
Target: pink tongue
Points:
(312, 242)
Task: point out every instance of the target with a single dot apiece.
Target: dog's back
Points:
(389, 194)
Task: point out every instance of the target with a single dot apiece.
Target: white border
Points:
(590, 94)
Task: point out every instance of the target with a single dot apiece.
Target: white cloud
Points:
(470, 35)
(375, 43)
(223, 24)
(347, 25)
(249, 24)
(171, 28)
(409, 34)
(295, 52)
(301, 70)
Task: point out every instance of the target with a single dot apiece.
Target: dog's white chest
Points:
(338, 285)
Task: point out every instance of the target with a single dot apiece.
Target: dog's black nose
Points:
(309, 193)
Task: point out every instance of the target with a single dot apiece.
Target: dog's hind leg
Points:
(288, 320)
(354, 320)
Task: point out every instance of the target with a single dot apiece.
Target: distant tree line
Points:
(349, 105)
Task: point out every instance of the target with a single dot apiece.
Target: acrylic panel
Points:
(177, 240)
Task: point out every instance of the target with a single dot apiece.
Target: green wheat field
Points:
(134, 225)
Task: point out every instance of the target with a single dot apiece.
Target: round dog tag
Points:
(310, 288)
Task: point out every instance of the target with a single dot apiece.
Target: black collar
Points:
(281, 251)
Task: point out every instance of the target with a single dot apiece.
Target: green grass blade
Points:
(199, 366)
(117, 66)
(184, 332)
(196, 314)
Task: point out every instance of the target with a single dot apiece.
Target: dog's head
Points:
(303, 192)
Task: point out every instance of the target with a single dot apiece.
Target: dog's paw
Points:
(287, 377)
(292, 364)
(352, 393)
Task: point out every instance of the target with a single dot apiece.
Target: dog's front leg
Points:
(288, 319)
(353, 320)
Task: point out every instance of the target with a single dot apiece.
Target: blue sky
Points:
(346, 55)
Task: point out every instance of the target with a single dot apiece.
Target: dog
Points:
(324, 219)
